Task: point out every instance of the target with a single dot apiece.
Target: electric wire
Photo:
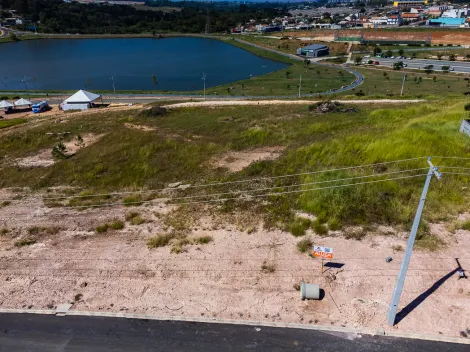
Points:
(241, 181)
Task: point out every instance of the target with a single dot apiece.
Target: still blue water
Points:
(177, 64)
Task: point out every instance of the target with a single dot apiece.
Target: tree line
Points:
(57, 16)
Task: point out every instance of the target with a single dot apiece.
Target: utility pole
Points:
(204, 79)
(403, 84)
(392, 310)
(300, 84)
(114, 87)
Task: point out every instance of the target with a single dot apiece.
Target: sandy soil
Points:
(237, 161)
(215, 103)
(116, 272)
(44, 157)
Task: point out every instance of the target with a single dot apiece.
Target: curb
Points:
(324, 328)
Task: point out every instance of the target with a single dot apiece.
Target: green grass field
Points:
(12, 122)
(187, 139)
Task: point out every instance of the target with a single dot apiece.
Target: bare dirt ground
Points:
(237, 161)
(116, 272)
(44, 158)
(216, 103)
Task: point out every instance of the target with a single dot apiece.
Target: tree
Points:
(357, 60)
(306, 62)
(429, 69)
(445, 69)
(377, 50)
(452, 57)
(401, 52)
(388, 53)
(467, 56)
(288, 74)
(434, 78)
(397, 65)
(439, 56)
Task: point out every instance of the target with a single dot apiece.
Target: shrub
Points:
(40, 230)
(319, 228)
(334, 225)
(466, 225)
(5, 203)
(397, 248)
(467, 107)
(4, 231)
(102, 228)
(304, 245)
(117, 225)
(131, 215)
(132, 200)
(59, 151)
(356, 235)
(203, 239)
(299, 226)
(137, 220)
(23, 243)
(159, 241)
(153, 112)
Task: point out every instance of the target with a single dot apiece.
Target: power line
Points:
(252, 196)
(239, 181)
(253, 190)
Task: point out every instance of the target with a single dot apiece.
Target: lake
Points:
(177, 64)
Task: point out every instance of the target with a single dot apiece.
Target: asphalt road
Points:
(458, 66)
(29, 332)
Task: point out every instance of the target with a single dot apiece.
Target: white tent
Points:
(82, 97)
(23, 102)
(5, 104)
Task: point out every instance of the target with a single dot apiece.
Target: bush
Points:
(304, 245)
(319, 228)
(153, 112)
(159, 241)
(137, 220)
(203, 239)
(466, 225)
(23, 243)
(334, 225)
(117, 225)
(467, 107)
(299, 226)
(59, 151)
(102, 228)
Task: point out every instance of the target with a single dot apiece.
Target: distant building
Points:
(409, 3)
(448, 22)
(394, 20)
(313, 50)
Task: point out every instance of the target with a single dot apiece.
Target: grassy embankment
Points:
(12, 122)
(187, 139)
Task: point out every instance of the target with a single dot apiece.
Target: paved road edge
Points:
(324, 328)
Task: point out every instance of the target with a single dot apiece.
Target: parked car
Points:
(376, 63)
(409, 58)
(366, 56)
(392, 57)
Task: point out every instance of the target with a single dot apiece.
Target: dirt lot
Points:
(437, 36)
(241, 274)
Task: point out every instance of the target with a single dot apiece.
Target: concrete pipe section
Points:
(309, 291)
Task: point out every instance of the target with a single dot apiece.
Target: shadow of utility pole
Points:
(418, 300)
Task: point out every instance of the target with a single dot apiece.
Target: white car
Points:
(367, 56)
(409, 58)
(451, 69)
(392, 57)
